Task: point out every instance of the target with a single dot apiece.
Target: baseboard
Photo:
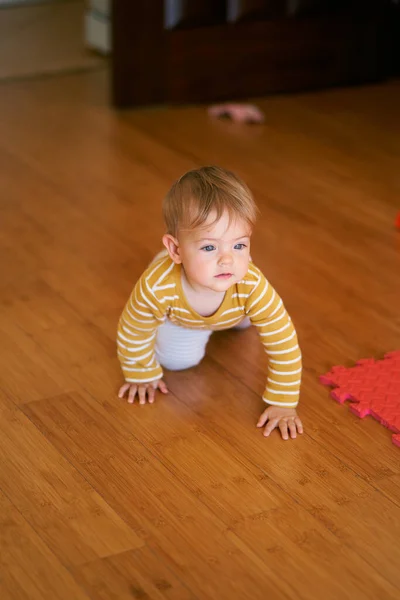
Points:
(98, 32)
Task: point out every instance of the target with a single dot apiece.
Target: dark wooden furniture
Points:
(391, 39)
(208, 50)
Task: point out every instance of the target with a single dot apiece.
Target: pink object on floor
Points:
(239, 113)
(373, 386)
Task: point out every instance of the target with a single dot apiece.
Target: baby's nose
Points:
(225, 258)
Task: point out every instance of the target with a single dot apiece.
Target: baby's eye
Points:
(208, 248)
(239, 246)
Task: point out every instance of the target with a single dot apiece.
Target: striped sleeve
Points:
(137, 328)
(278, 336)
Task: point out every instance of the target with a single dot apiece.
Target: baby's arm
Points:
(278, 336)
(137, 328)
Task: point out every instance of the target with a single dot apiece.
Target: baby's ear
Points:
(172, 246)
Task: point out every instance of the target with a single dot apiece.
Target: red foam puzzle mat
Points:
(373, 388)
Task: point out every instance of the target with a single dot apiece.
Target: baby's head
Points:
(209, 214)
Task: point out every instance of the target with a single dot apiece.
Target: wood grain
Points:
(28, 567)
(54, 498)
(186, 499)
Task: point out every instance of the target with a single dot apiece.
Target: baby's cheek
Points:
(245, 265)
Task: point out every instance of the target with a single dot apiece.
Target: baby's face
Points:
(216, 255)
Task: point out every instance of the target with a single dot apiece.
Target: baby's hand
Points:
(284, 418)
(142, 390)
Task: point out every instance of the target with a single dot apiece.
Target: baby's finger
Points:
(263, 419)
(162, 387)
(292, 428)
(132, 394)
(270, 427)
(123, 389)
(150, 392)
(299, 424)
(283, 426)
(142, 394)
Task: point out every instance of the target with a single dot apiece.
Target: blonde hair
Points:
(204, 191)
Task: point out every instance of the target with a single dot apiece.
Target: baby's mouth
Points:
(224, 276)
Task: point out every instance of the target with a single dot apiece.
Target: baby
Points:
(205, 281)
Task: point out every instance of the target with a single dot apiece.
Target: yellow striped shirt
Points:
(159, 295)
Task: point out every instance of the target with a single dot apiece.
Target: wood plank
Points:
(306, 471)
(164, 513)
(28, 374)
(28, 569)
(242, 490)
(49, 334)
(364, 445)
(74, 520)
(140, 573)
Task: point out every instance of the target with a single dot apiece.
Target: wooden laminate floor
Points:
(185, 499)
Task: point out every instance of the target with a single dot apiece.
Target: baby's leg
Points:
(179, 348)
